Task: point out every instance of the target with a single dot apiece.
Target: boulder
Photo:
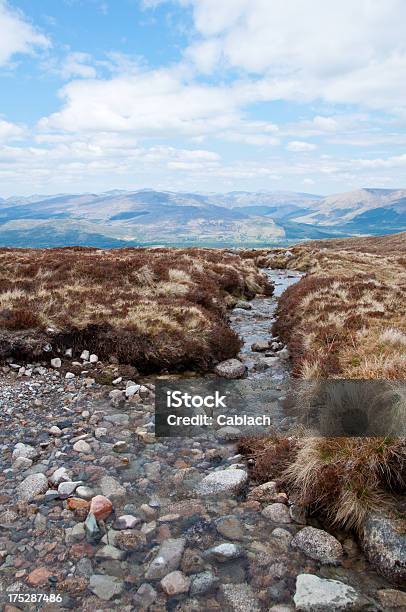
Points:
(314, 594)
(384, 543)
(232, 368)
(318, 544)
(223, 482)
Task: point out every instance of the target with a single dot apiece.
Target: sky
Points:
(202, 95)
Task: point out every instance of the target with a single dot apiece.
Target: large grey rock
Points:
(314, 594)
(167, 559)
(33, 485)
(105, 587)
(239, 597)
(232, 368)
(223, 482)
(318, 545)
(384, 542)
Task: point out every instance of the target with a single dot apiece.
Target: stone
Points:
(132, 390)
(230, 527)
(284, 354)
(384, 542)
(175, 583)
(225, 552)
(231, 369)
(85, 355)
(69, 352)
(243, 305)
(130, 540)
(318, 545)
(93, 358)
(101, 507)
(106, 587)
(110, 552)
(223, 482)
(30, 487)
(39, 576)
(260, 347)
(111, 488)
(277, 513)
(55, 431)
(167, 560)
(228, 433)
(120, 446)
(75, 534)
(69, 375)
(239, 598)
(192, 561)
(81, 446)
(392, 599)
(266, 492)
(24, 450)
(85, 492)
(314, 594)
(92, 529)
(76, 503)
(56, 362)
(298, 514)
(203, 583)
(60, 475)
(145, 596)
(21, 463)
(67, 488)
(127, 521)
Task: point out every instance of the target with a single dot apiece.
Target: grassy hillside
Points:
(152, 308)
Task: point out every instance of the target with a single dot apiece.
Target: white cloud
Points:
(298, 146)
(78, 64)
(10, 131)
(17, 34)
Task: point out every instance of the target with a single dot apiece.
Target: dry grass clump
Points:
(342, 478)
(346, 320)
(153, 308)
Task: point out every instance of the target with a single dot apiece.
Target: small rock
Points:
(21, 463)
(318, 544)
(81, 446)
(239, 598)
(145, 596)
(60, 475)
(167, 559)
(106, 587)
(67, 488)
(101, 507)
(92, 529)
(69, 375)
(55, 431)
(85, 492)
(24, 450)
(39, 576)
(132, 390)
(266, 492)
(225, 552)
(110, 552)
(203, 583)
(392, 599)
(260, 347)
(127, 521)
(230, 527)
(175, 583)
(111, 488)
(93, 358)
(120, 446)
(277, 513)
(30, 487)
(85, 355)
(56, 363)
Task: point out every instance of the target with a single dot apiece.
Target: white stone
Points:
(85, 355)
(277, 513)
(175, 583)
(69, 375)
(223, 482)
(93, 358)
(318, 544)
(56, 362)
(314, 594)
(81, 446)
(68, 352)
(60, 475)
(33, 485)
(24, 450)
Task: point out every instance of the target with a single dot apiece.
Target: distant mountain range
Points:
(239, 218)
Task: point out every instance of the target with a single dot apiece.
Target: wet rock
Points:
(192, 561)
(392, 599)
(101, 507)
(175, 583)
(260, 347)
(67, 488)
(81, 446)
(75, 534)
(318, 544)
(111, 488)
(228, 433)
(384, 542)
(230, 527)
(130, 540)
(85, 355)
(33, 485)
(85, 492)
(145, 596)
(314, 594)
(167, 559)
(277, 513)
(298, 514)
(110, 552)
(127, 521)
(239, 598)
(223, 482)
(243, 305)
(24, 450)
(231, 369)
(92, 529)
(203, 583)
(225, 552)
(60, 475)
(266, 492)
(21, 463)
(106, 587)
(39, 576)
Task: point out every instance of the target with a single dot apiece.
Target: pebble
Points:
(101, 507)
(81, 446)
(318, 545)
(225, 552)
(106, 587)
(175, 583)
(33, 485)
(167, 559)
(277, 513)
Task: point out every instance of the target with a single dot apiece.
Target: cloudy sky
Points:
(204, 95)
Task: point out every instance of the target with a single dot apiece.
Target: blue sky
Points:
(202, 95)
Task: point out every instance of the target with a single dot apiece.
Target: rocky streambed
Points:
(98, 514)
